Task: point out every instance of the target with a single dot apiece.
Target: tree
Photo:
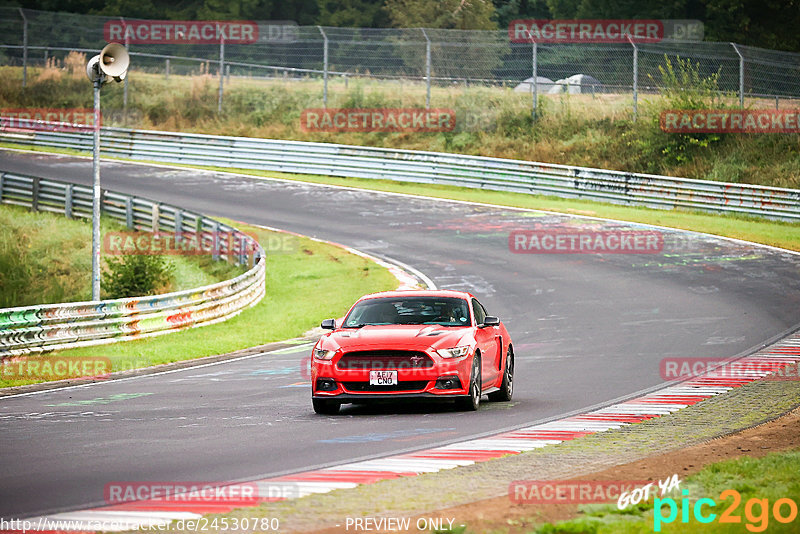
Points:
(505, 11)
(446, 14)
(352, 13)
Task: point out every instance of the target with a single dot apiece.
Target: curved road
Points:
(587, 329)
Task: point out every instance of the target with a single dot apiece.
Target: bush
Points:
(683, 88)
(135, 275)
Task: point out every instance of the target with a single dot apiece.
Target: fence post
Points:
(166, 68)
(221, 70)
(741, 77)
(24, 48)
(324, 67)
(635, 79)
(125, 81)
(535, 76)
(427, 69)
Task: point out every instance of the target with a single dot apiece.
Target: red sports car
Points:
(413, 344)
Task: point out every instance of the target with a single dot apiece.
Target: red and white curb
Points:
(154, 513)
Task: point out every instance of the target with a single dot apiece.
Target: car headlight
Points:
(321, 354)
(455, 352)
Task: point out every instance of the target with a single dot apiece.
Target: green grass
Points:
(46, 258)
(585, 130)
(769, 478)
(298, 296)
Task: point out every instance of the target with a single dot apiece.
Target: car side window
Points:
(479, 312)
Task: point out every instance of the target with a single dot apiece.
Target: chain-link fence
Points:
(434, 57)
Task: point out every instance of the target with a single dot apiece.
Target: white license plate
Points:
(383, 378)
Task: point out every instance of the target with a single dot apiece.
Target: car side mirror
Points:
(328, 324)
(491, 320)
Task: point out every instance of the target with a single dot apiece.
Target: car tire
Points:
(325, 406)
(471, 402)
(507, 386)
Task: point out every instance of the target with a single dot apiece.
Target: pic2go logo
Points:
(756, 511)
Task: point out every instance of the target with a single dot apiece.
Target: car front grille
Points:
(408, 385)
(380, 360)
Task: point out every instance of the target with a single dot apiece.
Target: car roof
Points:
(419, 293)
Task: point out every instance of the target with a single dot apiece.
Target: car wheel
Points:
(507, 387)
(325, 406)
(473, 400)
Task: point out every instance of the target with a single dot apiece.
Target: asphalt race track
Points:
(587, 328)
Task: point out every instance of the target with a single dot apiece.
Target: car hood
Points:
(417, 337)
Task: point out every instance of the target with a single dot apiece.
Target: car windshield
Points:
(445, 311)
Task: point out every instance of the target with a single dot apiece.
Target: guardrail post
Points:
(215, 246)
(154, 222)
(242, 251)
(24, 48)
(741, 74)
(2, 179)
(166, 69)
(68, 201)
(178, 225)
(427, 69)
(129, 212)
(324, 67)
(35, 194)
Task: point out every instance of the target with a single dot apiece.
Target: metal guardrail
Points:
(478, 172)
(32, 329)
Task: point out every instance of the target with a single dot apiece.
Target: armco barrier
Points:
(423, 167)
(32, 329)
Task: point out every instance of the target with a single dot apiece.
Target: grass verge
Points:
(297, 298)
(46, 258)
(758, 484)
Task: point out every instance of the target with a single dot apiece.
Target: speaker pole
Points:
(98, 82)
(111, 64)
